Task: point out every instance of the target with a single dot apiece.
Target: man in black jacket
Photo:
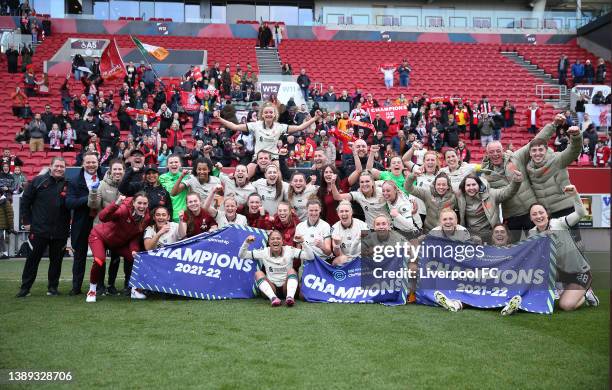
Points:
(110, 134)
(12, 57)
(44, 213)
(304, 82)
(82, 218)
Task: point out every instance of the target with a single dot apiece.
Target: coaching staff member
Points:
(44, 212)
(82, 216)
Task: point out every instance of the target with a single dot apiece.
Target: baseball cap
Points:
(151, 168)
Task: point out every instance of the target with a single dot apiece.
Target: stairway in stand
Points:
(268, 61)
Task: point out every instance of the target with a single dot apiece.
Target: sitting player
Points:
(277, 276)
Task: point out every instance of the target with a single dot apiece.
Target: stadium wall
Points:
(595, 37)
(125, 27)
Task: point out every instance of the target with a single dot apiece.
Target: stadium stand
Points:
(437, 69)
(547, 57)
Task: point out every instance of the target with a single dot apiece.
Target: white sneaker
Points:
(449, 304)
(137, 294)
(591, 298)
(91, 297)
(512, 306)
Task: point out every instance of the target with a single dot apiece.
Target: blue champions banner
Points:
(487, 276)
(350, 283)
(205, 266)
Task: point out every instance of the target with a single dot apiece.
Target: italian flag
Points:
(156, 51)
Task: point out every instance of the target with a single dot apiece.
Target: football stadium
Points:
(305, 194)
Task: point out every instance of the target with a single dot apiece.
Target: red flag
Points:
(111, 64)
(189, 102)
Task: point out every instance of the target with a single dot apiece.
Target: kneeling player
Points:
(277, 275)
(572, 268)
(449, 228)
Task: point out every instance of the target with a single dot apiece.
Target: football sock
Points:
(292, 284)
(265, 288)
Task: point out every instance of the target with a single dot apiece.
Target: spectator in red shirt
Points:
(602, 154)
(303, 150)
(533, 114)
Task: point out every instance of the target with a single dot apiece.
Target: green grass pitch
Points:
(180, 343)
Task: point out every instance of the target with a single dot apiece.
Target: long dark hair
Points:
(322, 191)
(481, 186)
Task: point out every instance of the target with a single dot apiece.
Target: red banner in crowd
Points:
(140, 112)
(111, 64)
(189, 101)
(387, 113)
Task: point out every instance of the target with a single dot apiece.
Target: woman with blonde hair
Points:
(268, 130)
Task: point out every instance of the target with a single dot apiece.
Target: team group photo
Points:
(220, 195)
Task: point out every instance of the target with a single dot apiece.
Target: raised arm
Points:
(407, 158)
(509, 190)
(419, 192)
(209, 199)
(370, 163)
(337, 195)
(522, 155)
(111, 212)
(245, 253)
(179, 186)
(571, 153)
(579, 211)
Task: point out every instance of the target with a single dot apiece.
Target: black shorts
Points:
(582, 279)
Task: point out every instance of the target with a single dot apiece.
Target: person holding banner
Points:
(163, 231)
(122, 227)
(346, 234)
(450, 229)
(573, 271)
(478, 203)
(438, 196)
(195, 220)
(277, 277)
(227, 215)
